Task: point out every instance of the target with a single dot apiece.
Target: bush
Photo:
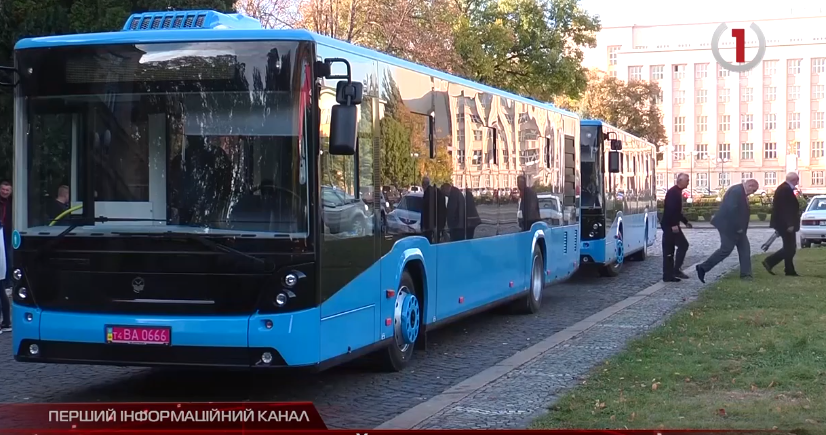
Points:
(692, 216)
(762, 216)
(707, 215)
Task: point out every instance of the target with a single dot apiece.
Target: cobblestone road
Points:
(353, 397)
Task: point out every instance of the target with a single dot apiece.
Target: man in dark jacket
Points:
(5, 219)
(528, 203)
(673, 236)
(455, 212)
(434, 211)
(786, 221)
(732, 222)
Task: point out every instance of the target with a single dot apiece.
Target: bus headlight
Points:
(22, 293)
(17, 274)
(596, 226)
(281, 299)
(290, 280)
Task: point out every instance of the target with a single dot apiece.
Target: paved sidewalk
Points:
(523, 390)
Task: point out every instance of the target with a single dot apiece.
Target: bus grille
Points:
(166, 20)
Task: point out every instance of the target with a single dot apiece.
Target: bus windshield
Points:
(591, 158)
(176, 137)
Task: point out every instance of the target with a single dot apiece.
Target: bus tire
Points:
(407, 326)
(533, 300)
(613, 269)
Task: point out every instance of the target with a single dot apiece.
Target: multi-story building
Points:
(723, 126)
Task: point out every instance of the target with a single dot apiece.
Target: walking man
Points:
(732, 222)
(5, 222)
(786, 221)
(673, 236)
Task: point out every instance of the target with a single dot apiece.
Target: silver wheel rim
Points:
(536, 279)
(397, 319)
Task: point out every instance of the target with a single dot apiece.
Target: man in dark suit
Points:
(786, 221)
(673, 236)
(528, 203)
(732, 222)
(434, 211)
(455, 212)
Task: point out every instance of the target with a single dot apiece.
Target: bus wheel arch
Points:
(613, 269)
(408, 318)
(642, 254)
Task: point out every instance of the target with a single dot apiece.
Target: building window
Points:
(702, 179)
(679, 97)
(746, 151)
(770, 121)
(722, 72)
(818, 92)
(795, 146)
(794, 93)
(679, 72)
(724, 179)
(745, 73)
(725, 96)
(819, 65)
(679, 152)
(724, 151)
(771, 93)
(701, 70)
(794, 66)
(679, 124)
(817, 150)
(746, 122)
(612, 54)
(659, 98)
(612, 74)
(701, 153)
(660, 179)
(477, 135)
(702, 96)
(770, 179)
(769, 67)
(634, 73)
(745, 176)
(748, 95)
(770, 151)
(818, 120)
(725, 122)
(702, 123)
(657, 72)
(460, 136)
(794, 121)
(818, 178)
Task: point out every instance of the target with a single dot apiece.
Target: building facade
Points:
(724, 127)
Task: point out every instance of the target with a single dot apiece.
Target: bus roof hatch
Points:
(186, 20)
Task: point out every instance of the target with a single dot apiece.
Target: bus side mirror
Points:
(614, 162)
(344, 118)
(616, 145)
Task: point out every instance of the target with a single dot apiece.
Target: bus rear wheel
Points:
(533, 300)
(407, 325)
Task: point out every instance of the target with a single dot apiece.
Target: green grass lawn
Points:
(746, 355)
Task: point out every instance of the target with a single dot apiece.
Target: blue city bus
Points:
(195, 190)
(619, 203)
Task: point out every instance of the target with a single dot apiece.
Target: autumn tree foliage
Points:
(631, 107)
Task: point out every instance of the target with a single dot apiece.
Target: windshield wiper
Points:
(48, 247)
(209, 244)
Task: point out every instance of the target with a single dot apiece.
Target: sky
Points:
(647, 12)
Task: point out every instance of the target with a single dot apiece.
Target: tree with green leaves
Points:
(529, 47)
(397, 165)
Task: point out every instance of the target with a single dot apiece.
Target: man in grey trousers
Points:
(732, 222)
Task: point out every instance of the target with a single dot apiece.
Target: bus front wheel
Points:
(407, 324)
(533, 300)
(613, 269)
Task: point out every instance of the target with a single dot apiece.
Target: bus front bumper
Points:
(257, 341)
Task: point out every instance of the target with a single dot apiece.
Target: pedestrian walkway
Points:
(516, 391)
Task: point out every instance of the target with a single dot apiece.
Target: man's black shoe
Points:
(701, 274)
(671, 280)
(766, 265)
(792, 274)
(680, 274)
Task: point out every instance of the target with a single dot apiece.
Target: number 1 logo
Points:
(739, 36)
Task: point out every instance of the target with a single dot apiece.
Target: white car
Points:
(813, 222)
(550, 209)
(406, 217)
